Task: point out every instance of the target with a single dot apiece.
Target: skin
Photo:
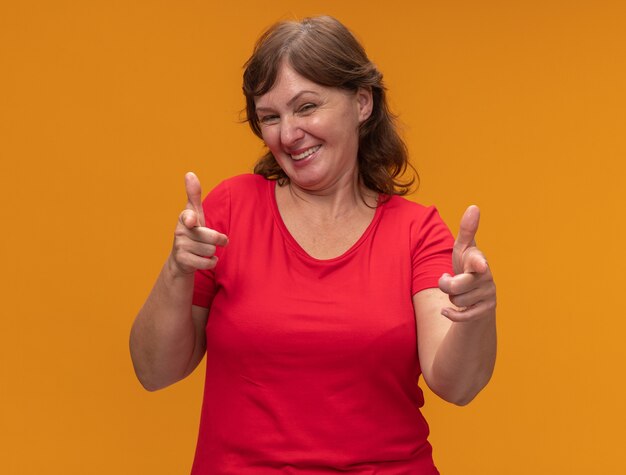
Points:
(326, 209)
(456, 323)
(324, 206)
(167, 340)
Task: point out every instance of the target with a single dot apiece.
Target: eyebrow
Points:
(290, 101)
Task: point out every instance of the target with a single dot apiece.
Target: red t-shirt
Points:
(312, 365)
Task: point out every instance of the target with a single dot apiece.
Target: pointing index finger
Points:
(194, 196)
(468, 228)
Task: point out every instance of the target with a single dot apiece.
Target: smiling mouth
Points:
(306, 153)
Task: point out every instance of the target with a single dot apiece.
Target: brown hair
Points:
(323, 50)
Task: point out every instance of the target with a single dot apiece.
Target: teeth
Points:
(306, 153)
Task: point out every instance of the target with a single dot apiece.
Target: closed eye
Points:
(307, 108)
(268, 119)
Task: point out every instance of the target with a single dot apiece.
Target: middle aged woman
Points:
(332, 293)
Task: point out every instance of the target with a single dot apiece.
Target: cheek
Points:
(269, 137)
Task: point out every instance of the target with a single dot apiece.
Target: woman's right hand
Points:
(168, 339)
(194, 244)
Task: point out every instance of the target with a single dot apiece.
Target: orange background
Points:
(519, 107)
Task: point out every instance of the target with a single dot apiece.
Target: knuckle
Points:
(203, 265)
(184, 264)
(452, 287)
(211, 263)
(455, 316)
(186, 216)
(489, 289)
(177, 247)
(213, 236)
(180, 242)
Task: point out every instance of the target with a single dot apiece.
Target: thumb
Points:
(194, 196)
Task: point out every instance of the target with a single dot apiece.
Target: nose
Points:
(290, 131)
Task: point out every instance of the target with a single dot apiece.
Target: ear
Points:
(365, 103)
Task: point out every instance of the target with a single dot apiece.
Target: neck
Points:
(342, 199)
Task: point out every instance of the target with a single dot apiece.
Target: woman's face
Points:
(313, 130)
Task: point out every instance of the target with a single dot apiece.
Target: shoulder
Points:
(423, 224)
(241, 195)
(245, 183)
(238, 187)
(246, 180)
(398, 207)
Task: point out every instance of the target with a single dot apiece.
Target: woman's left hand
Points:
(472, 289)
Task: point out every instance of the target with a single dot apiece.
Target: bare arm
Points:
(457, 345)
(167, 340)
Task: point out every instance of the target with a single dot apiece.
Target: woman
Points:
(332, 294)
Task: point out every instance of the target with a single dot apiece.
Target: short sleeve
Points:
(431, 250)
(216, 206)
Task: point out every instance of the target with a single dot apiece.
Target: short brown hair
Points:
(323, 50)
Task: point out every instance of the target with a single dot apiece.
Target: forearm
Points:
(163, 336)
(464, 362)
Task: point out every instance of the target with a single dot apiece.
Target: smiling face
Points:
(313, 130)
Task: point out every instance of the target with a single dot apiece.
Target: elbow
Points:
(461, 400)
(456, 397)
(150, 386)
(149, 379)
(460, 394)
(151, 382)
(152, 377)
(144, 366)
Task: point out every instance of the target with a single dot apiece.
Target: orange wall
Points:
(516, 106)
